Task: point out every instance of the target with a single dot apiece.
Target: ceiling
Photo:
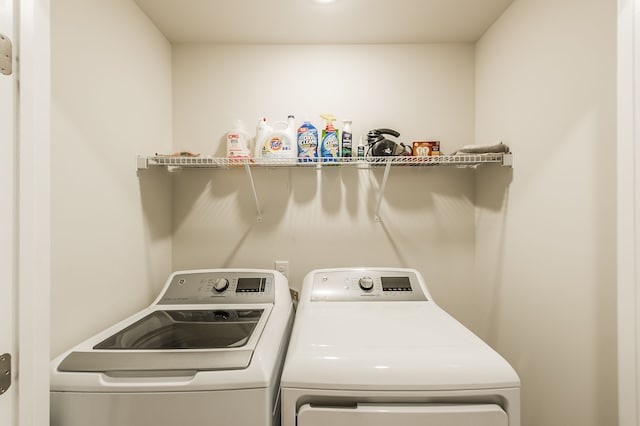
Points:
(303, 21)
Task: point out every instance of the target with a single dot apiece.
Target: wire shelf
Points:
(460, 160)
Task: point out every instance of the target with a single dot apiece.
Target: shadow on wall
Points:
(499, 179)
(156, 193)
(225, 193)
(155, 196)
(492, 214)
(424, 213)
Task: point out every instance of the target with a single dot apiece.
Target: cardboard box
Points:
(426, 148)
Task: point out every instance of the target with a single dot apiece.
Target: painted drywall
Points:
(325, 218)
(524, 257)
(111, 231)
(545, 84)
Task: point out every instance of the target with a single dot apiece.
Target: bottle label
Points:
(275, 144)
(235, 148)
(330, 145)
(307, 143)
(347, 143)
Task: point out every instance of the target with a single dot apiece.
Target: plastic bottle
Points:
(262, 130)
(347, 139)
(291, 127)
(307, 139)
(330, 144)
(360, 148)
(238, 141)
(272, 142)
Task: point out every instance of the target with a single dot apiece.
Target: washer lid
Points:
(389, 346)
(174, 340)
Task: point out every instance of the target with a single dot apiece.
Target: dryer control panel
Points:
(219, 287)
(367, 285)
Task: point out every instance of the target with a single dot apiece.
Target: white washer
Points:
(208, 351)
(369, 346)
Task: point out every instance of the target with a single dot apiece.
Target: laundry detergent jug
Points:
(278, 141)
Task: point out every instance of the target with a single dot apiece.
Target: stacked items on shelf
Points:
(285, 144)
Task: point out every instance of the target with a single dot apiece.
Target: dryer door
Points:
(405, 415)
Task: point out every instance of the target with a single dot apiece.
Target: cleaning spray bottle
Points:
(307, 142)
(330, 144)
(238, 141)
(347, 139)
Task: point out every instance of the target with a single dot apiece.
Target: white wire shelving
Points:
(206, 162)
(458, 160)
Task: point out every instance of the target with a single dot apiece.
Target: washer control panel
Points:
(366, 285)
(219, 287)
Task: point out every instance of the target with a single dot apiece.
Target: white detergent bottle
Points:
(262, 131)
(279, 141)
(238, 141)
(291, 127)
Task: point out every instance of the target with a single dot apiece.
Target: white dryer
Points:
(208, 351)
(370, 347)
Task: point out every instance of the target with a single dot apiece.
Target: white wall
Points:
(541, 237)
(545, 83)
(111, 231)
(325, 219)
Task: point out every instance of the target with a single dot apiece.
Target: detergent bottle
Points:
(307, 142)
(262, 130)
(238, 141)
(330, 144)
(278, 141)
(291, 127)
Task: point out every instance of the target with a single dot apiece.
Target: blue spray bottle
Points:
(330, 144)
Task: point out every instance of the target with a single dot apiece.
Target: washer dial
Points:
(366, 283)
(220, 285)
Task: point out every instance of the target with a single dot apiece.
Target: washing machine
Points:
(370, 347)
(208, 351)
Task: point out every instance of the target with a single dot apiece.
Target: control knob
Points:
(366, 283)
(220, 285)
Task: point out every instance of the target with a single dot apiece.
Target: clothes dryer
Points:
(208, 351)
(370, 346)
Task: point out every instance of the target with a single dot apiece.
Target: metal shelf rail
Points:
(460, 160)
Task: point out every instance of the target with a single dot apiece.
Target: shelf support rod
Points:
(383, 186)
(253, 191)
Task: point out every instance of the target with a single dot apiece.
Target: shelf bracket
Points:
(142, 163)
(383, 186)
(253, 191)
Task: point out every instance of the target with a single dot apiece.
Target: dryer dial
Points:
(366, 283)
(220, 285)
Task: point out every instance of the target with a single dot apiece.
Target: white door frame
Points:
(8, 216)
(33, 228)
(628, 211)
